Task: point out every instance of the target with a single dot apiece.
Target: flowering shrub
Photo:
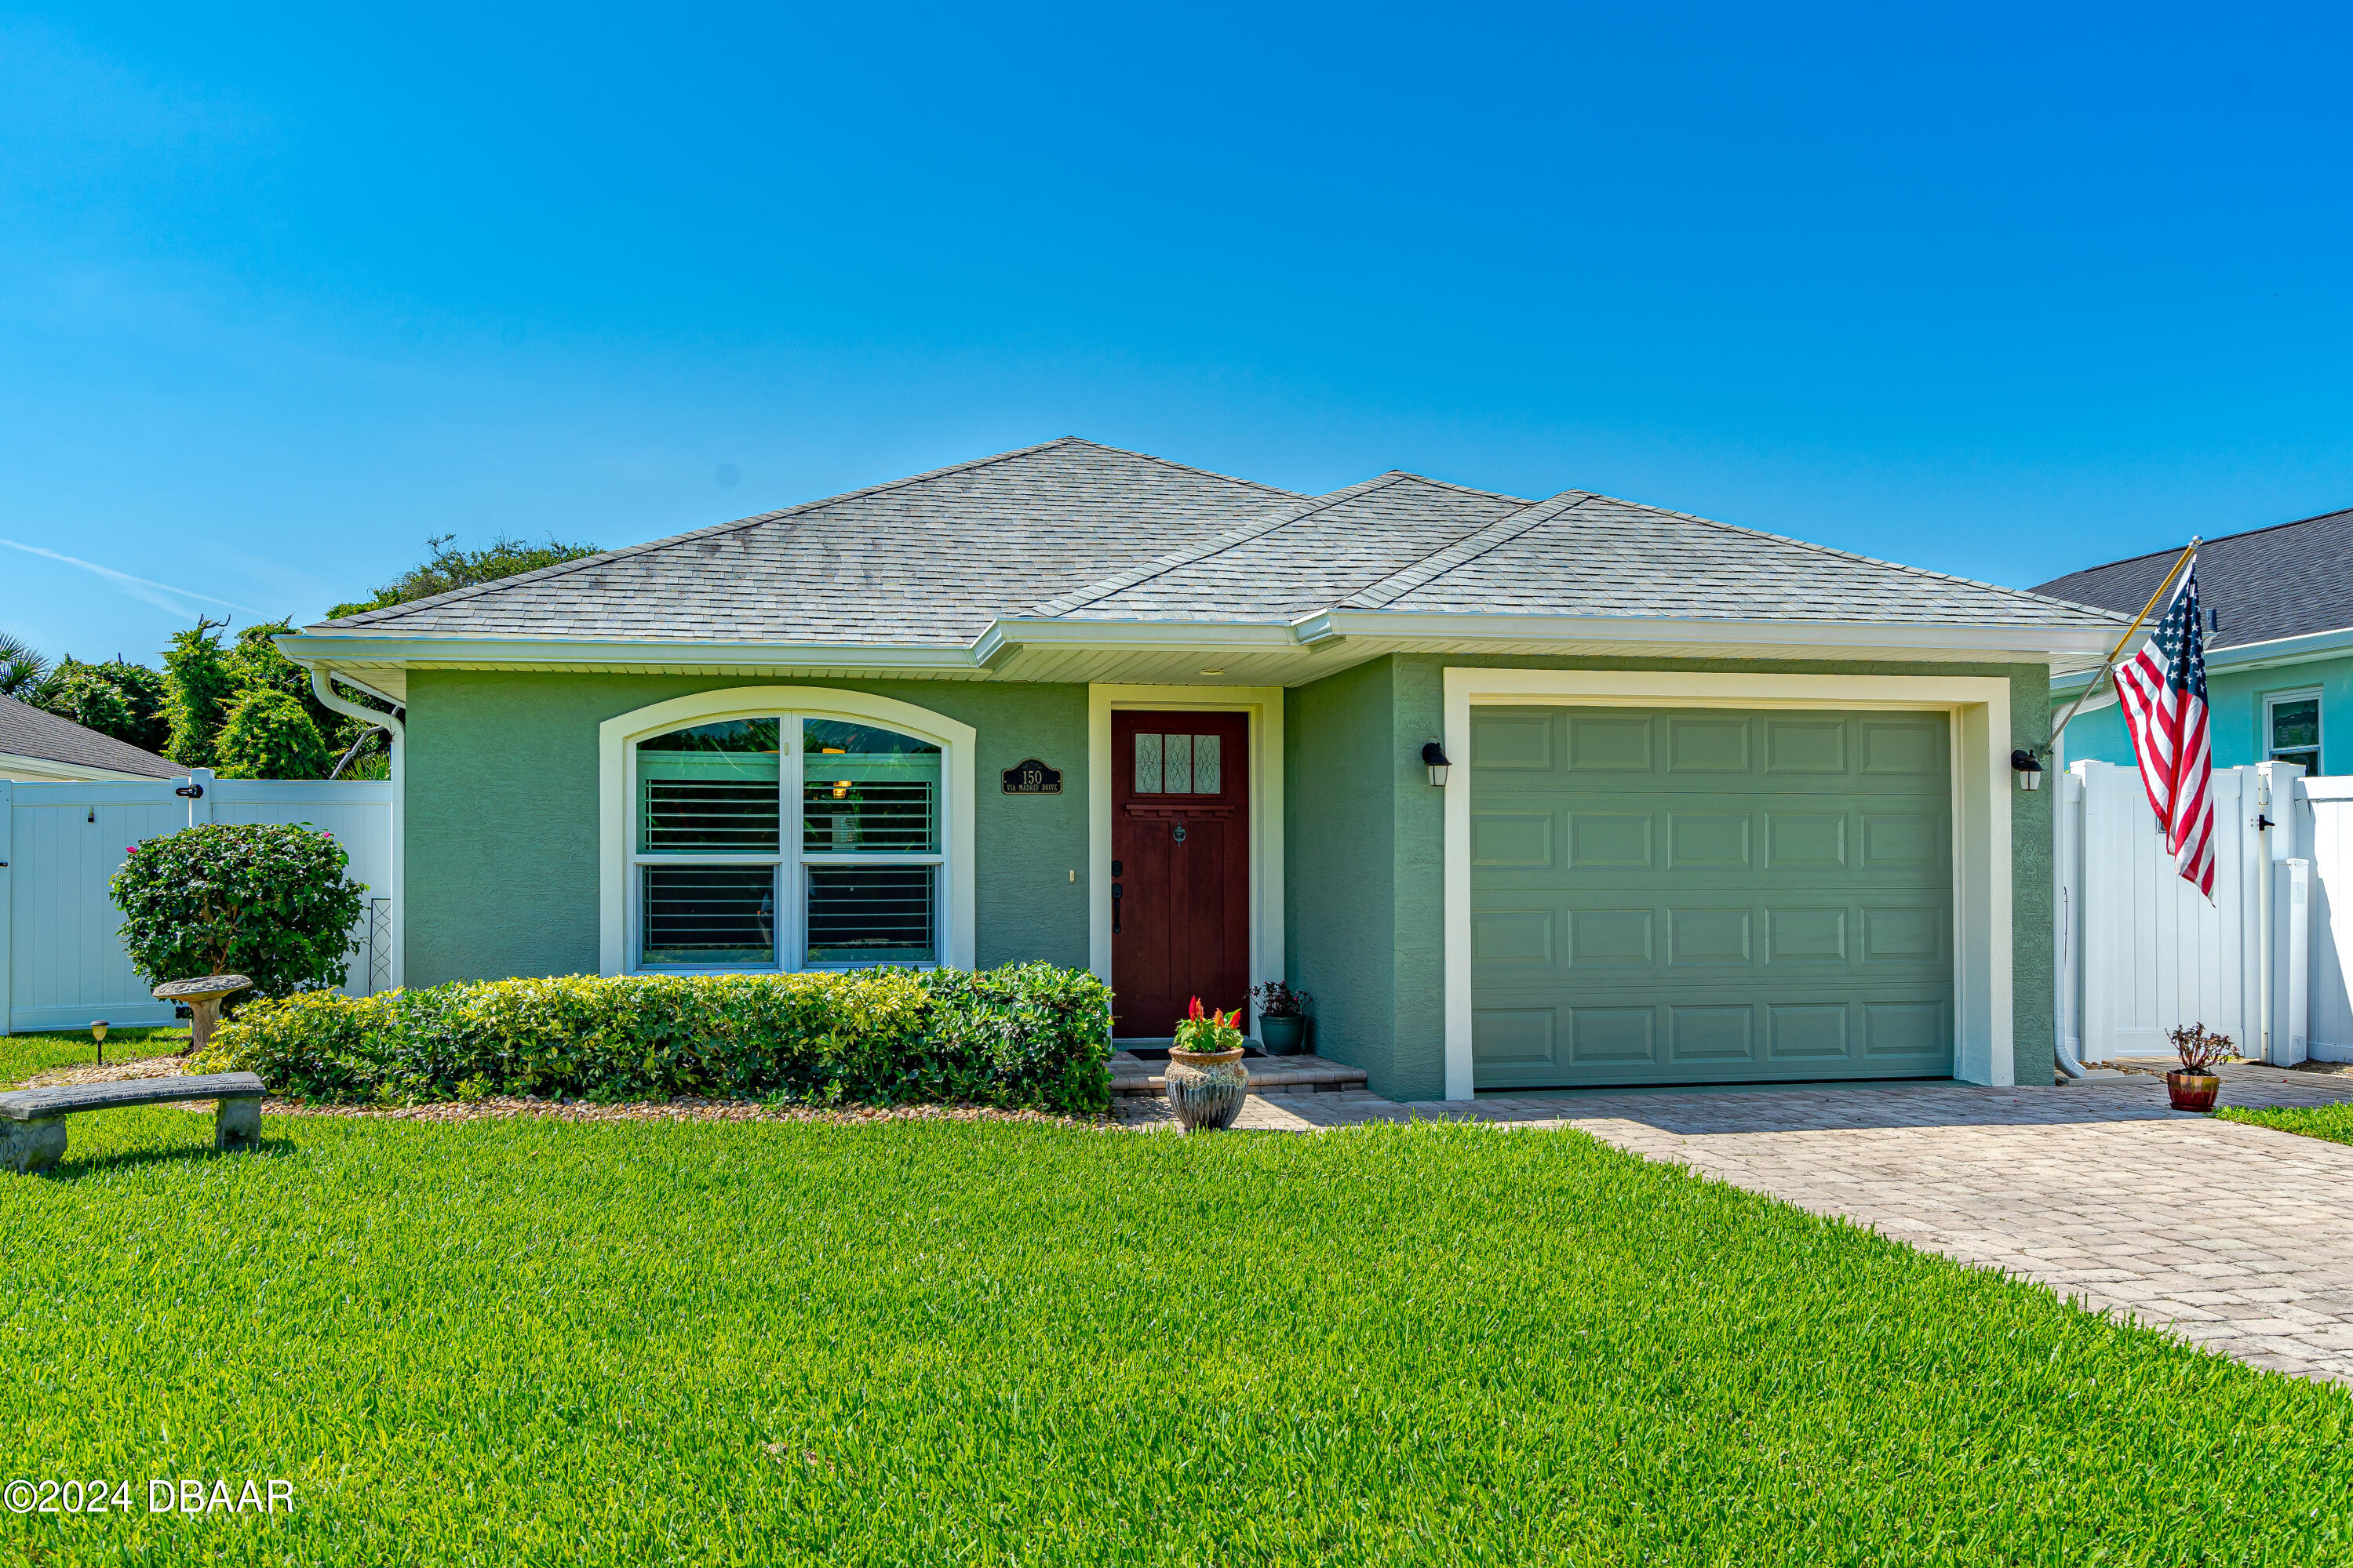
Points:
(1026, 1037)
(269, 902)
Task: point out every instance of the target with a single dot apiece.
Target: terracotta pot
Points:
(2192, 1090)
(1282, 1037)
(1207, 1088)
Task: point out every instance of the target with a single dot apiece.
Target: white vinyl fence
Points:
(2141, 952)
(61, 964)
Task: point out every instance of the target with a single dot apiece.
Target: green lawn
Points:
(2334, 1122)
(22, 1056)
(528, 1343)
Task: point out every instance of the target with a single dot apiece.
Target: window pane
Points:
(1205, 764)
(872, 914)
(867, 791)
(1147, 764)
(1177, 771)
(2295, 724)
(707, 914)
(710, 789)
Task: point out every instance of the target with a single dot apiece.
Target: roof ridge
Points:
(2177, 548)
(603, 558)
(1466, 489)
(1119, 581)
(1854, 556)
(1461, 552)
(1164, 462)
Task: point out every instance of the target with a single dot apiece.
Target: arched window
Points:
(786, 840)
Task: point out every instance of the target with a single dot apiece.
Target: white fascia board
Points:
(1469, 630)
(477, 652)
(1239, 636)
(2309, 648)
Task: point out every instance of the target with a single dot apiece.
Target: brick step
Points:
(1134, 1078)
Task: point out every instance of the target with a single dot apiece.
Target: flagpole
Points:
(2107, 665)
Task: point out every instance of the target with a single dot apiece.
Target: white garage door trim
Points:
(1979, 708)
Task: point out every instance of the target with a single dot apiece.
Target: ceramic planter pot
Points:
(2192, 1090)
(1207, 1088)
(1283, 1036)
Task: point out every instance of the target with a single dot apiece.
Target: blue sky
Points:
(1998, 291)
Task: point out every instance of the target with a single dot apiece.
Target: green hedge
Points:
(1030, 1037)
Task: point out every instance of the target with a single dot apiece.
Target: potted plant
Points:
(1281, 1018)
(2192, 1086)
(1206, 1079)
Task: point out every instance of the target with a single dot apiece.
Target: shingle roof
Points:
(29, 731)
(932, 559)
(1407, 544)
(2278, 582)
(1083, 533)
(1297, 561)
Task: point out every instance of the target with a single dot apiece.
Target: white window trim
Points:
(2320, 721)
(1264, 706)
(1983, 1050)
(617, 739)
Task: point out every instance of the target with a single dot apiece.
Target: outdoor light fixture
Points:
(2029, 769)
(1433, 756)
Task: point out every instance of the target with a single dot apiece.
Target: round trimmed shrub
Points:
(269, 735)
(267, 901)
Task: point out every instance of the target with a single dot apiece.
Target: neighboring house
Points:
(1722, 806)
(38, 747)
(2279, 646)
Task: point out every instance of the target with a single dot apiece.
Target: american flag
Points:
(2163, 689)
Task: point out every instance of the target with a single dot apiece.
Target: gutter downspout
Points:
(322, 686)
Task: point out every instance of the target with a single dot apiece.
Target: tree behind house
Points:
(199, 683)
(446, 568)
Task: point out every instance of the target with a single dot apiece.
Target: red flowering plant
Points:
(1206, 1034)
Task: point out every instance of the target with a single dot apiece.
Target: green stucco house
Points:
(1526, 792)
(2279, 646)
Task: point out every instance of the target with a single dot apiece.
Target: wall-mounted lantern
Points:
(2029, 769)
(1433, 756)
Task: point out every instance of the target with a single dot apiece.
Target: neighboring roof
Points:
(932, 559)
(2289, 580)
(29, 731)
(1072, 545)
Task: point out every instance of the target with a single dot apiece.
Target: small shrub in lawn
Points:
(1026, 1037)
(267, 902)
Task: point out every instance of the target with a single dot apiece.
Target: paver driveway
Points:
(2236, 1237)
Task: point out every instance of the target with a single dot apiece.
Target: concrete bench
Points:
(33, 1120)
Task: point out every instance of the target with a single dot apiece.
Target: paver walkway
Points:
(2236, 1237)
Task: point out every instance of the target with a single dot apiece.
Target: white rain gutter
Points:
(322, 686)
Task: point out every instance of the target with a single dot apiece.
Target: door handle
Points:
(1117, 893)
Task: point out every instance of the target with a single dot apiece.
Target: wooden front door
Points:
(1180, 866)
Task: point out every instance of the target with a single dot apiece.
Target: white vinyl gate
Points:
(61, 964)
(2325, 835)
(2141, 952)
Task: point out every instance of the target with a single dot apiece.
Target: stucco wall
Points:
(1355, 770)
(501, 801)
(2236, 701)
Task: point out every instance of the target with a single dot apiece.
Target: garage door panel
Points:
(1699, 895)
(1627, 1038)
